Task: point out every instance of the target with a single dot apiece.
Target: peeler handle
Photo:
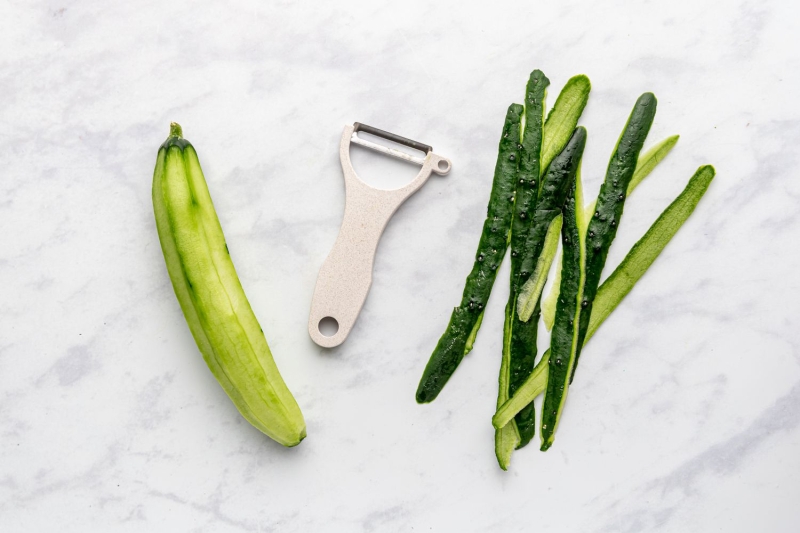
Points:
(345, 277)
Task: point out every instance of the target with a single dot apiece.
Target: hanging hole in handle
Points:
(328, 326)
(441, 165)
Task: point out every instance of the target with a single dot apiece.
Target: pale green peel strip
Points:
(532, 290)
(563, 118)
(550, 301)
(506, 439)
(621, 281)
(474, 333)
(648, 161)
(533, 387)
(644, 166)
(644, 252)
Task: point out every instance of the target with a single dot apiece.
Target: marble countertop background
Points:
(686, 413)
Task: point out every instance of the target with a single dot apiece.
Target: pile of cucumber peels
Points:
(536, 197)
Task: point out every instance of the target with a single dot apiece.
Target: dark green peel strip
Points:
(648, 248)
(610, 203)
(518, 336)
(462, 329)
(564, 335)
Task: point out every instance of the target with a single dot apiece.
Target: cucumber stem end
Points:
(175, 130)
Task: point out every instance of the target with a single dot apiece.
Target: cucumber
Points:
(211, 296)
(647, 249)
(619, 283)
(465, 320)
(564, 337)
(519, 339)
(610, 203)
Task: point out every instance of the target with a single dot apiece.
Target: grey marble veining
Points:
(685, 415)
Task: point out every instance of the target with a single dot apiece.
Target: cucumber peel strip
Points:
(532, 290)
(562, 119)
(459, 337)
(549, 302)
(645, 165)
(574, 227)
(507, 437)
(533, 387)
(619, 283)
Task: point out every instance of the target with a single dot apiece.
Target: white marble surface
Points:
(685, 415)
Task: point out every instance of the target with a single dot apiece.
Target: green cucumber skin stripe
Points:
(460, 333)
(522, 340)
(610, 203)
(647, 249)
(564, 335)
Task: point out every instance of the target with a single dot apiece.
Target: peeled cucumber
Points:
(211, 296)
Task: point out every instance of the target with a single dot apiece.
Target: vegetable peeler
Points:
(346, 275)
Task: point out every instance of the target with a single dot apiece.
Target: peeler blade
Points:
(416, 145)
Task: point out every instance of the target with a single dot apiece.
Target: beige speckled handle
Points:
(346, 275)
